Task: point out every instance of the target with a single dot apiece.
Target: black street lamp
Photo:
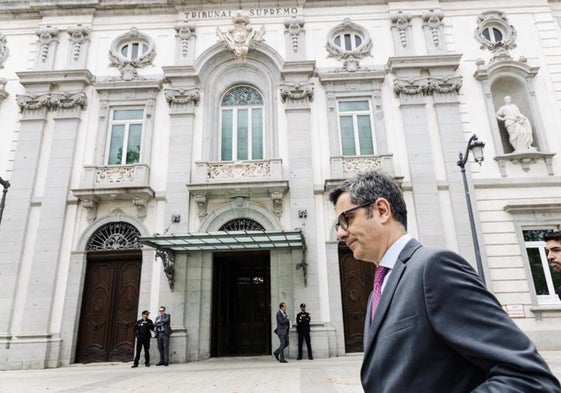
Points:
(6, 185)
(476, 147)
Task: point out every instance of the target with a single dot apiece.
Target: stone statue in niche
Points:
(518, 127)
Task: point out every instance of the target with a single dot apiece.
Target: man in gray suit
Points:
(163, 331)
(283, 325)
(435, 328)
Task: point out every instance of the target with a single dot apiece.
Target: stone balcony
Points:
(343, 167)
(123, 182)
(235, 179)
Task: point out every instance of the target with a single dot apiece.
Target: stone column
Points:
(50, 229)
(18, 210)
(421, 162)
(452, 140)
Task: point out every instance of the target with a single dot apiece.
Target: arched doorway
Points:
(241, 299)
(110, 295)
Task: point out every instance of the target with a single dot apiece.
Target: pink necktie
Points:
(379, 275)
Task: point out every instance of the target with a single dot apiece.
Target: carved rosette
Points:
(4, 51)
(78, 35)
(46, 36)
(52, 101)
(180, 96)
(427, 86)
(297, 91)
(294, 26)
(185, 31)
(241, 37)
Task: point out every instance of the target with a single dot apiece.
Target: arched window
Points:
(241, 119)
(492, 34)
(114, 236)
(242, 224)
(133, 50)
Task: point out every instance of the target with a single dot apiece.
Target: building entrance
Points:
(241, 304)
(109, 307)
(356, 285)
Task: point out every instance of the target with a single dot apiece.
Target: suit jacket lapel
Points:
(388, 294)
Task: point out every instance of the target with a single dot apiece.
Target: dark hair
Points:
(553, 235)
(282, 304)
(369, 186)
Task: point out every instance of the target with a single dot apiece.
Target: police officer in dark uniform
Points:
(142, 329)
(303, 328)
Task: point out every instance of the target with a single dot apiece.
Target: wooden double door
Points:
(109, 307)
(356, 285)
(241, 304)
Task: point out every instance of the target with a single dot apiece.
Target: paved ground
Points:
(220, 375)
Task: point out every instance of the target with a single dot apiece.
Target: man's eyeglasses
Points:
(343, 219)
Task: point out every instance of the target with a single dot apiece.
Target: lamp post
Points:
(476, 147)
(6, 185)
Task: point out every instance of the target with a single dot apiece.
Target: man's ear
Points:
(383, 208)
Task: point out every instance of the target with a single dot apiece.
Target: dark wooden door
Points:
(356, 285)
(241, 316)
(109, 307)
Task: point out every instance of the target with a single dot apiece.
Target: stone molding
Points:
(4, 51)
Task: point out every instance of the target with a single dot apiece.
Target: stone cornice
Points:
(62, 77)
(427, 62)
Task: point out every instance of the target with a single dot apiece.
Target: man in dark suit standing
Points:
(283, 325)
(431, 325)
(163, 331)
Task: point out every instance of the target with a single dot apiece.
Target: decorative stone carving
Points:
(495, 23)
(239, 170)
(520, 134)
(241, 37)
(91, 205)
(168, 261)
(350, 57)
(201, 201)
(185, 33)
(182, 96)
(294, 28)
(401, 28)
(525, 160)
(115, 174)
(427, 86)
(79, 37)
(352, 165)
(3, 93)
(52, 101)
(297, 91)
(433, 28)
(140, 204)
(128, 67)
(276, 196)
(4, 51)
(47, 41)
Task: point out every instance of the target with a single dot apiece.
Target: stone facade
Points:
(326, 91)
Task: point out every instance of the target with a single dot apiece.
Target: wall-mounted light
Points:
(302, 213)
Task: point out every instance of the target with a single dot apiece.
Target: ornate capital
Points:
(52, 101)
(401, 22)
(90, 205)
(180, 96)
(427, 86)
(294, 26)
(201, 201)
(46, 36)
(78, 36)
(297, 91)
(241, 37)
(185, 31)
(276, 196)
(432, 24)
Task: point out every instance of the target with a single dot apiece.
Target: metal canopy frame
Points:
(167, 246)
